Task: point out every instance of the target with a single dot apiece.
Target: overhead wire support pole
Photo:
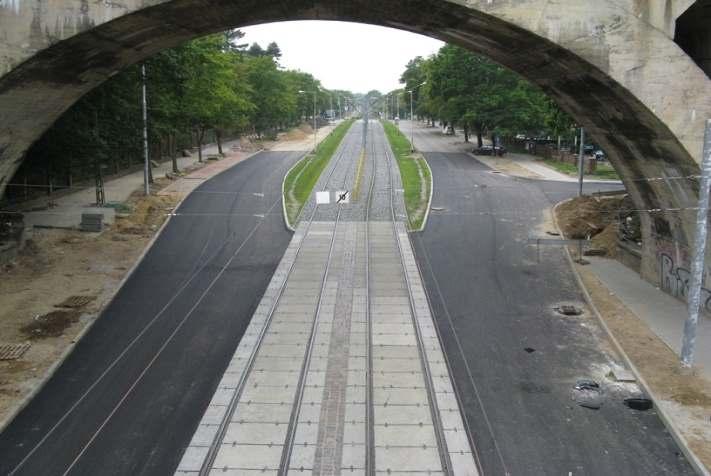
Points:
(581, 162)
(699, 254)
(146, 163)
(412, 126)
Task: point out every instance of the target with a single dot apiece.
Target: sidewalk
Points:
(67, 209)
(663, 314)
(430, 139)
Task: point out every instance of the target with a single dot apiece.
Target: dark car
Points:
(490, 150)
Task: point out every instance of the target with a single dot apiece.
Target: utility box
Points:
(93, 222)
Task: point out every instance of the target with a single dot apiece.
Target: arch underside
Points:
(639, 144)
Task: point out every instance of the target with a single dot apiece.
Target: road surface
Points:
(128, 398)
(515, 360)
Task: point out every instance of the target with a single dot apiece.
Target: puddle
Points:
(640, 404)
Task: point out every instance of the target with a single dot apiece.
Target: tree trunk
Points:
(159, 155)
(466, 133)
(218, 139)
(174, 152)
(559, 141)
(198, 137)
(479, 139)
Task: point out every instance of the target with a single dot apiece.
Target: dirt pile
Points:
(585, 217)
(147, 214)
(298, 133)
(601, 219)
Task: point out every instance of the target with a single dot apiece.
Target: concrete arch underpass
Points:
(628, 71)
(613, 65)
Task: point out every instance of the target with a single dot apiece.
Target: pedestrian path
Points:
(341, 370)
(663, 314)
(66, 210)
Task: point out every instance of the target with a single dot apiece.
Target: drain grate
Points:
(76, 302)
(13, 351)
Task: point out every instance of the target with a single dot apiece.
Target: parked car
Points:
(490, 150)
(449, 131)
(599, 155)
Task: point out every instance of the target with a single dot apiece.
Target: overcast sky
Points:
(348, 56)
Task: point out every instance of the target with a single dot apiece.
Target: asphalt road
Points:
(492, 299)
(130, 395)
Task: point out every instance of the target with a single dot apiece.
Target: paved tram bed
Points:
(347, 297)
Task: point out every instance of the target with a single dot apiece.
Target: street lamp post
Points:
(412, 117)
(144, 108)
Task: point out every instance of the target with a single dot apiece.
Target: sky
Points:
(348, 56)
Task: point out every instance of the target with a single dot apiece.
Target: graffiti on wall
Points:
(675, 278)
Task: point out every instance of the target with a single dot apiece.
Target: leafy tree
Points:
(273, 50)
(255, 50)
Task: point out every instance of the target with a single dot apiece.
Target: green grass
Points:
(302, 179)
(415, 176)
(602, 171)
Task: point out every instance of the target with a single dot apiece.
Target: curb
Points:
(429, 202)
(288, 224)
(68, 350)
(668, 422)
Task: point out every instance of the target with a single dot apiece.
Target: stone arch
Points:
(609, 64)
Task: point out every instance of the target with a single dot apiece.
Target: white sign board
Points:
(343, 196)
(323, 198)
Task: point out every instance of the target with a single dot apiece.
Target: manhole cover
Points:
(568, 310)
(12, 351)
(76, 301)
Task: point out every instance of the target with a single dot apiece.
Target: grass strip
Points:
(414, 173)
(301, 180)
(602, 171)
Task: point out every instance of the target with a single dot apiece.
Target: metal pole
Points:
(146, 163)
(697, 265)
(314, 122)
(412, 127)
(397, 108)
(581, 162)
(340, 111)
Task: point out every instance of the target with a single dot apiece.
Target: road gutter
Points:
(68, 350)
(668, 422)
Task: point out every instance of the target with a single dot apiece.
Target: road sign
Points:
(343, 196)
(323, 198)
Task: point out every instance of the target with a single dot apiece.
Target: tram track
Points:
(214, 447)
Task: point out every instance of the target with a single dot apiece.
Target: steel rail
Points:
(234, 401)
(431, 395)
(298, 398)
(369, 409)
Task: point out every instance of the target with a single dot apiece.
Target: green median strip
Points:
(302, 178)
(415, 174)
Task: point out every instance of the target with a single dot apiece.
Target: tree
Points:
(255, 50)
(273, 51)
